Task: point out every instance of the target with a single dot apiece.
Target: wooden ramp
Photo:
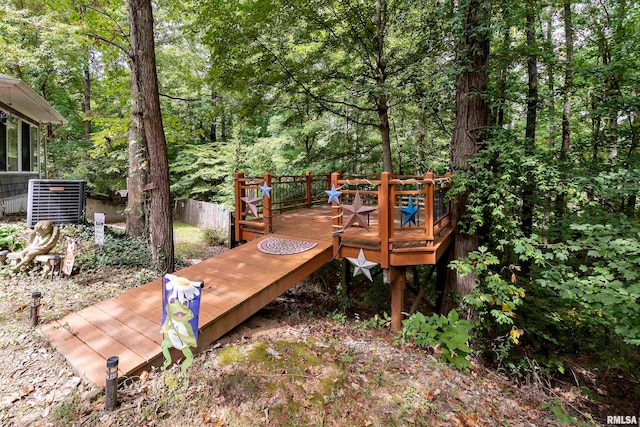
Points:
(237, 284)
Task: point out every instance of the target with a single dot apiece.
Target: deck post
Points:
(328, 181)
(267, 212)
(238, 194)
(346, 276)
(428, 207)
(383, 219)
(336, 219)
(397, 277)
(307, 182)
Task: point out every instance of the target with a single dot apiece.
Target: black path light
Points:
(34, 308)
(111, 386)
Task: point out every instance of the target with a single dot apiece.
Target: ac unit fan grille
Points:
(60, 201)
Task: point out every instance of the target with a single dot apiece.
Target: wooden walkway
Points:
(237, 284)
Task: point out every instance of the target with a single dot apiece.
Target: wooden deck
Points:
(237, 284)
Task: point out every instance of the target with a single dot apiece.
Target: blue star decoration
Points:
(266, 190)
(362, 265)
(333, 194)
(409, 213)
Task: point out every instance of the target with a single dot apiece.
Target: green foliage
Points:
(118, 249)
(494, 298)
(376, 322)
(597, 273)
(9, 238)
(449, 332)
(214, 237)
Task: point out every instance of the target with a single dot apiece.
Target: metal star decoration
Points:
(409, 213)
(251, 202)
(266, 190)
(362, 265)
(358, 212)
(333, 194)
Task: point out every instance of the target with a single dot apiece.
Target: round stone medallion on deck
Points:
(280, 246)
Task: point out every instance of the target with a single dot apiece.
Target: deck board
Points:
(237, 284)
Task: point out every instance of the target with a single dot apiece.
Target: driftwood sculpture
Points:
(41, 240)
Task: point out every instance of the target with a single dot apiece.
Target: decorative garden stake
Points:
(409, 213)
(181, 308)
(358, 212)
(34, 308)
(111, 385)
(266, 190)
(362, 265)
(333, 194)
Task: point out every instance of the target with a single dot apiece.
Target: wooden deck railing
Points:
(386, 230)
(288, 192)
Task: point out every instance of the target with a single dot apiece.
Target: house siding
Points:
(15, 184)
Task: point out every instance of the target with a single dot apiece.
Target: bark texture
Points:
(142, 43)
(470, 124)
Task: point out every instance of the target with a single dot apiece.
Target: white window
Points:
(18, 145)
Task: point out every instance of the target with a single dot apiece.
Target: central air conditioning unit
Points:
(58, 200)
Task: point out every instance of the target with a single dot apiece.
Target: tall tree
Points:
(144, 60)
(469, 130)
(532, 111)
(566, 97)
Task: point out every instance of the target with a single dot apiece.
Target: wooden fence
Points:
(203, 214)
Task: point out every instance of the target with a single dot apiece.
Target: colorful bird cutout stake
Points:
(333, 194)
(409, 213)
(266, 190)
(362, 265)
(358, 212)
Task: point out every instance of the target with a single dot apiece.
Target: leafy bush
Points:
(449, 332)
(9, 238)
(214, 237)
(118, 249)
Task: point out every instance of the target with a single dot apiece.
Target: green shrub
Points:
(214, 237)
(9, 238)
(450, 332)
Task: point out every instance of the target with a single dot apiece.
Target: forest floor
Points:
(302, 360)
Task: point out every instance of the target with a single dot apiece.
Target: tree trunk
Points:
(86, 99)
(470, 124)
(566, 109)
(137, 212)
(381, 77)
(420, 160)
(142, 42)
(552, 89)
(530, 128)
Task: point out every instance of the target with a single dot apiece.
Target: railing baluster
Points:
(428, 207)
(267, 212)
(384, 223)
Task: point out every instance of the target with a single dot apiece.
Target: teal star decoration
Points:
(333, 194)
(266, 190)
(409, 213)
(358, 212)
(251, 202)
(362, 265)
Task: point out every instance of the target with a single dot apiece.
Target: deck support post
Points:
(397, 278)
(346, 276)
(442, 277)
(267, 211)
(239, 194)
(307, 184)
